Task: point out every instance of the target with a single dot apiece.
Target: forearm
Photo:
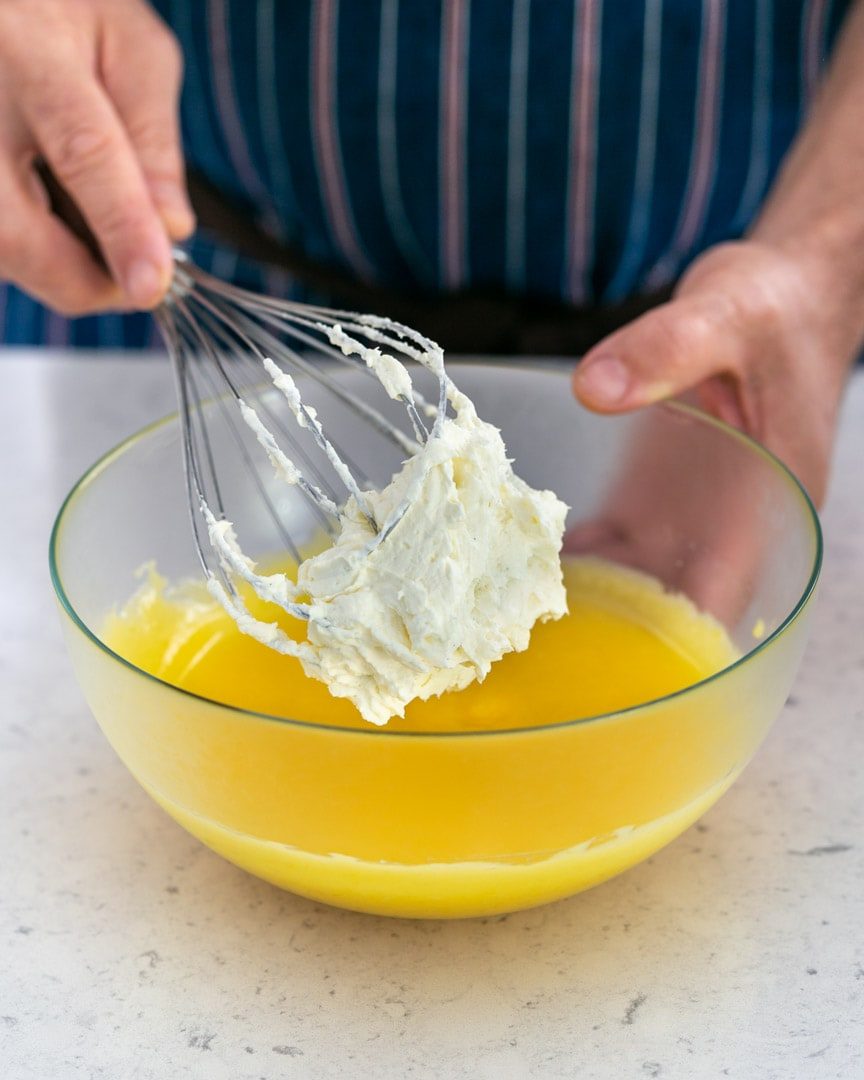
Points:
(815, 211)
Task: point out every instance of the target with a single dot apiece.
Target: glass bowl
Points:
(504, 819)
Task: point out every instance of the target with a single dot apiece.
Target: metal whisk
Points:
(224, 342)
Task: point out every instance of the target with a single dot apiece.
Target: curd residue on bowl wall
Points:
(625, 641)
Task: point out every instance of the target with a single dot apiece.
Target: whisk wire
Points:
(305, 416)
(224, 342)
(238, 441)
(197, 500)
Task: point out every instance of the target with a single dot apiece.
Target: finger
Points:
(42, 257)
(80, 135)
(141, 68)
(661, 354)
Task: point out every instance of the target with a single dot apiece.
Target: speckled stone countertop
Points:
(130, 952)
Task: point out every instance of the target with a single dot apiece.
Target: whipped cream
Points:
(428, 581)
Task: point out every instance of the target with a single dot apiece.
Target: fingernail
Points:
(604, 381)
(174, 207)
(144, 283)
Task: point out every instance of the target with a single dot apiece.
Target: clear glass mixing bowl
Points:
(504, 819)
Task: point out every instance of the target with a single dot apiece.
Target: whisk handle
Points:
(64, 207)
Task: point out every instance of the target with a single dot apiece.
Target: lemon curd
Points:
(487, 800)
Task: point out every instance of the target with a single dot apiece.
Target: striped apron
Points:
(582, 151)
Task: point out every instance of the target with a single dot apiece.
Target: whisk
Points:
(223, 342)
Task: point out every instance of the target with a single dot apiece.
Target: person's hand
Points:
(695, 511)
(763, 336)
(91, 87)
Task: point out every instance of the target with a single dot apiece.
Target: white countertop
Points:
(128, 951)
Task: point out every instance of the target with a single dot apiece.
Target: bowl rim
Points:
(105, 460)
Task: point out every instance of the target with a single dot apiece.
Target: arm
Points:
(766, 329)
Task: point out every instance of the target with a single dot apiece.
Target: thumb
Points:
(673, 348)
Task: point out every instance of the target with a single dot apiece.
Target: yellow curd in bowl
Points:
(477, 802)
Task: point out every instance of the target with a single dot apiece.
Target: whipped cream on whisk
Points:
(460, 581)
(428, 581)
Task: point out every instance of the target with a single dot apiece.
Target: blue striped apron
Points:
(580, 150)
